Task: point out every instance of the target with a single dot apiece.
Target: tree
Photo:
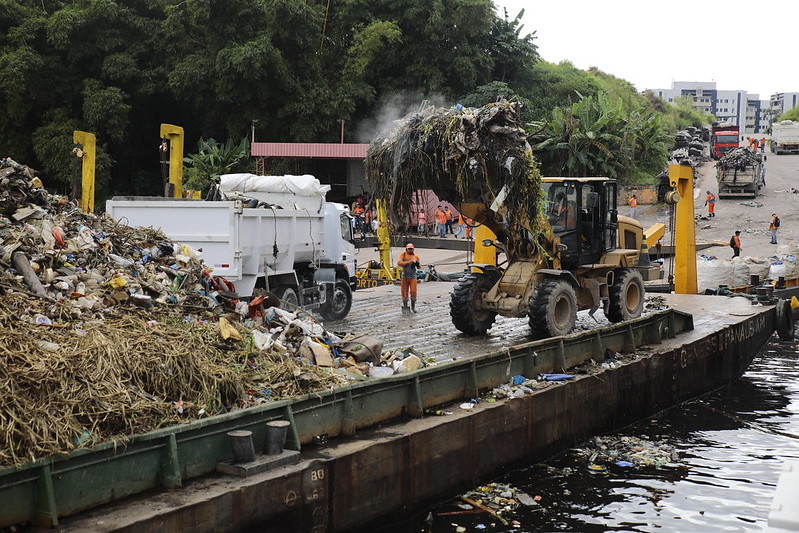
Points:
(596, 136)
(514, 55)
(212, 160)
(791, 114)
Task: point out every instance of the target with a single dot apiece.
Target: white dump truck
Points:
(272, 232)
(785, 137)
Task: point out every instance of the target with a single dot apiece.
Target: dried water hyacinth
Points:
(76, 383)
(465, 155)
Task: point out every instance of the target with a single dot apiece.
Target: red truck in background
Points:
(723, 138)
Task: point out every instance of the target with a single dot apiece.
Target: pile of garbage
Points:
(713, 272)
(111, 330)
(499, 500)
(739, 159)
(461, 154)
(625, 451)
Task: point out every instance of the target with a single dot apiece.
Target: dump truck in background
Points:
(271, 232)
(785, 137)
(723, 138)
(740, 174)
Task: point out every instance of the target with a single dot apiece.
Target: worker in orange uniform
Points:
(442, 218)
(409, 262)
(710, 202)
(735, 243)
(469, 228)
(633, 201)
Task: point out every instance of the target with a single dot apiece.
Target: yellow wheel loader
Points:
(586, 256)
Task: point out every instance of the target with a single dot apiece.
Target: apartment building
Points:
(737, 107)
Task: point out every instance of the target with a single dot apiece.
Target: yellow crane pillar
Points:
(384, 241)
(88, 144)
(174, 134)
(681, 178)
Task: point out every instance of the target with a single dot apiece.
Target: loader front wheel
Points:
(465, 307)
(553, 309)
(626, 296)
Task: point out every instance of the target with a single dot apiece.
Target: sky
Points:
(651, 46)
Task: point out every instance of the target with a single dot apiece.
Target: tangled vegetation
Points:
(465, 155)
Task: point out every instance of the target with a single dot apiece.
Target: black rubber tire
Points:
(288, 295)
(339, 302)
(553, 308)
(784, 320)
(626, 296)
(464, 304)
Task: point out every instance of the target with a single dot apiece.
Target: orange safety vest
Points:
(633, 202)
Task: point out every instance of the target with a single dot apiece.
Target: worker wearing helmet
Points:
(409, 262)
(710, 202)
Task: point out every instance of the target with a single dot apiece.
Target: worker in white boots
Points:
(409, 262)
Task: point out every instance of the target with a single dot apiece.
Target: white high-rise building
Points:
(737, 107)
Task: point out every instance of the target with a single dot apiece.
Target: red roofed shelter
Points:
(345, 174)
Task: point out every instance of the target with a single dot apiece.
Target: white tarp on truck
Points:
(288, 192)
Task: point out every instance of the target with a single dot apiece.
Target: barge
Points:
(384, 452)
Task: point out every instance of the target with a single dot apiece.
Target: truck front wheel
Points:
(626, 296)
(288, 295)
(553, 309)
(464, 306)
(339, 302)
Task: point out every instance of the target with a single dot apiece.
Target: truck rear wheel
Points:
(339, 302)
(553, 309)
(626, 296)
(288, 295)
(464, 306)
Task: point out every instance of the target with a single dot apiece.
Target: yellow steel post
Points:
(484, 255)
(88, 143)
(384, 239)
(681, 177)
(175, 136)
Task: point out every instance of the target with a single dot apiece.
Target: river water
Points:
(730, 449)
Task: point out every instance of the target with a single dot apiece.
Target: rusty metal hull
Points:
(395, 467)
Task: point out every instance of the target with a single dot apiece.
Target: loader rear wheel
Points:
(464, 306)
(288, 295)
(626, 296)
(553, 309)
(339, 302)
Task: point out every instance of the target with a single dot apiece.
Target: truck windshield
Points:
(727, 139)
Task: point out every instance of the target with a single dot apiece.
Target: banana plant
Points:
(212, 160)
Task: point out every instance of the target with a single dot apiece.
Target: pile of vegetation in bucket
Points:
(464, 155)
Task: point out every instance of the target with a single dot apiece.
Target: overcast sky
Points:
(650, 45)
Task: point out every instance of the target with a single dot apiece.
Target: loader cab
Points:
(583, 214)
